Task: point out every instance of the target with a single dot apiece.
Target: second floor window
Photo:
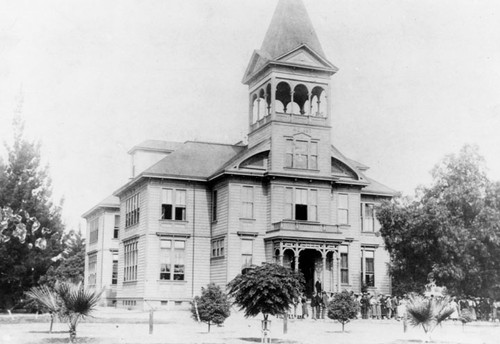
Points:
(214, 205)
(368, 218)
(301, 204)
(94, 231)
(173, 204)
(343, 209)
(132, 210)
(116, 228)
(247, 202)
(301, 154)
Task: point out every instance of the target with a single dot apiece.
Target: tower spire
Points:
(290, 27)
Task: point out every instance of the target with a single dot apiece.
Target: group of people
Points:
(381, 306)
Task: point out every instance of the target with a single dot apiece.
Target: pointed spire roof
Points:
(290, 28)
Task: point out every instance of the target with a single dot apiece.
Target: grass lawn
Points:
(121, 326)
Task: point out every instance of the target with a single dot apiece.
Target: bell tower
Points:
(289, 94)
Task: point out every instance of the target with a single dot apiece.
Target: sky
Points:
(417, 80)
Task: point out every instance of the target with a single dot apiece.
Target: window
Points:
(172, 253)
(218, 248)
(301, 204)
(116, 229)
(94, 231)
(343, 209)
(114, 275)
(301, 154)
(130, 258)
(246, 254)
(214, 205)
(132, 211)
(344, 265)
(368, 268)
(369, 222)
(247, 202)
(173, 205)
(92, 269)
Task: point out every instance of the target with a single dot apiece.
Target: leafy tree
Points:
(70, 265)
(451, 230)
(428, 312)
(343, 308)
(268, 289)
(30, 224)
(212, 307)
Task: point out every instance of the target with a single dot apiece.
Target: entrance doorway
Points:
(307, 263)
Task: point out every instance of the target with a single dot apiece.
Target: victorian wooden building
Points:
(204, 212)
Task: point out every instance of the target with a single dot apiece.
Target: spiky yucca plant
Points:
(428, 312)
(77, 303)
(46, 298)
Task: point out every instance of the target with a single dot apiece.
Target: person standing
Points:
(305, 311)
(318, 287)
(313, 307)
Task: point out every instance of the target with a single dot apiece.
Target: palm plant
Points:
(428, 312)
(46, 298)
(77, 303)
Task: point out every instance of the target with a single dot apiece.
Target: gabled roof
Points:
(108, 202)
(156, 145)
(376, 188)
(290, 27)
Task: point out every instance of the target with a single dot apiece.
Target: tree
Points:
(428, 312)
(268, 289)
(451, 230)
(70, 301)
(30, 224)
(47, 299)
(343, 308)
(70, 265)
(212, 307)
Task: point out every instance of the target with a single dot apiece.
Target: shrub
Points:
(343, 308)
(212, 307)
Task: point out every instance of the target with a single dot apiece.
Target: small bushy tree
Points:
(47, 300)
(212, 307)
(343, 308)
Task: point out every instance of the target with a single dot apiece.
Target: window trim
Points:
(363, 217)
(311, 156)
(247, 202)
(172, 259)
(94, 230)
(291, 208)
(217, 248)
(344, 252)
(130, 260)
(339, 208)
(92, 262)
(116, 228)
(364, 251)
(132, 210)
(175, 205)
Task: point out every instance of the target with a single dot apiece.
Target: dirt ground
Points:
(111, 325)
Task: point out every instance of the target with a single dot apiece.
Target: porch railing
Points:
(306, 226)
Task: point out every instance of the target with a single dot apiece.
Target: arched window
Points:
(255, 108)
(300, 96)
(283, 95)
(318, 102)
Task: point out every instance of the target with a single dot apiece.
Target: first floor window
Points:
(246, 254)
(114, 275)
(173, 205)
(301, 204)
(172, 256)
(344, 265)
(130, 259)
(218, 248)
(92, 267)
(343, 209)
(368, 268)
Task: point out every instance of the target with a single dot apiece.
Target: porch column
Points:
(296, 257)
(363, 267)
(323, 255)
(281, 253)
(338, 270)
